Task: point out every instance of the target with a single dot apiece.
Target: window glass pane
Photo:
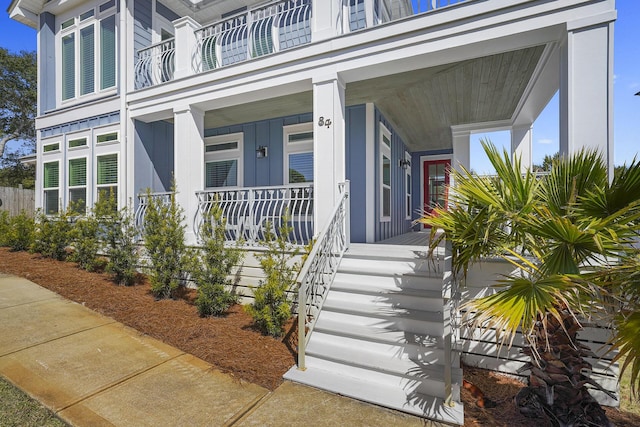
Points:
(68, 67)
(222, 147)
(386, 140)
(107, 137)
(106, 192)
(78, 199)
(80, 142)
(301, 167)
(86, 15)
(107, 5)
(221, 173)
(51, 202)
(386, 170)
(303, 136)
(386, 202)
(51, 175)
(108, 51)
(78, 172)
(68, 23)
(51, 147)
(87, 60)
(108, 169)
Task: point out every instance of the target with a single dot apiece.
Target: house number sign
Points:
(324, 122)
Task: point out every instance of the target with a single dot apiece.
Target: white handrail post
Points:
(448, 293)
(302, 324)
(347, 213)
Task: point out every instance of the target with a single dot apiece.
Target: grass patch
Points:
(18, 409)
(627, 402)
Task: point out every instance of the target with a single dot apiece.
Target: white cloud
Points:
(545, 141)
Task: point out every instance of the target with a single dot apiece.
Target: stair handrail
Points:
(319, 269)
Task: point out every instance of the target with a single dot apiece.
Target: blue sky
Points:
(16, 37)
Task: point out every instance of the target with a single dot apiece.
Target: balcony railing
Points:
(143, 203)
(249, 211)
(252, 34)
(155, 64)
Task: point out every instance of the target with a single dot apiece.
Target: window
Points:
(298, 152)
(51, 175)
(55, 146)
(223, 161)
(88, 48)
(78, 142)
(385, 174)
(407, 183)
(107, 137)
(107, 176)
(78, 184)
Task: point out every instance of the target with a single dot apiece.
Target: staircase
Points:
(379, 335)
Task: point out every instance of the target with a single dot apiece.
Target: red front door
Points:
(436, 184)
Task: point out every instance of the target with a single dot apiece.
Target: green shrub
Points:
(119, 235)
(5, 223)
(272, 306)
(20, 235)
(211, 267)
(164, 242)
(86, 242)
(53, 235)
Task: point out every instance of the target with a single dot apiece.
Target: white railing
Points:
(155, 64)
(252, 34)
(249, 211)
(143, 203)
(318, 271)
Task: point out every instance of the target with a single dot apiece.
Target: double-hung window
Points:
(78, 184)
(107, 176)
(88, 51)
(298, 152)
(51, 186)
(385, 173)
(223, 161)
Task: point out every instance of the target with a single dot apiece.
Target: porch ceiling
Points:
(422, 104)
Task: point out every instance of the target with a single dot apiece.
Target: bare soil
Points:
(231, 343)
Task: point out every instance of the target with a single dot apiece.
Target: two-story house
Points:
(262, 106)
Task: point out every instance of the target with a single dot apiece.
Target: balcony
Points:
(261, 31)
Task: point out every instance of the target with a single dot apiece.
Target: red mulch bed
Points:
(230, 343)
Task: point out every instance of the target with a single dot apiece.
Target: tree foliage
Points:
(13, 172)
(18, 97)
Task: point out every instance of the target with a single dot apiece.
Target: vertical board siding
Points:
(356, 169)
(153, 156)
(398, 224)
(47, 62)
(165, 12)
(141, 26)
(16, 200)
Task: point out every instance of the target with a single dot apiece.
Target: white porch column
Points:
(185, 45)
(521, 143)
(325, 16)
(328, 146)
(461, 143)
(188, 161)
(586, 89)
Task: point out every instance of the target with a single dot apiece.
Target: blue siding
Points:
(415, 177)
(47, 81)
(87, 123)
(166, 12)
(356, 171)
(398, 224)
(153, 156)
(142, 25)
(269, 133)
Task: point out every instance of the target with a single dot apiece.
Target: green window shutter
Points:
(108, 51)
(68, 67)
(77, 172)
(108, 169)
(87, 60)
(51, 175)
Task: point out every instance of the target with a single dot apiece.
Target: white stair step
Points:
(389, 301)
(388, 267)
(428, 325)
(361, 282)
(364, 250)
(402, 359)
(327, 324)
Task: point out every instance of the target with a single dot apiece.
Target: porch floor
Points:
(412, 238)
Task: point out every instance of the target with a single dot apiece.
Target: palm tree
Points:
(569, 235)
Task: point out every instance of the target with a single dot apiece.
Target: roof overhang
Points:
(23, 11)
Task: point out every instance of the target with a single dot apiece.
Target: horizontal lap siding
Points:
(142, 25)
(480, 348)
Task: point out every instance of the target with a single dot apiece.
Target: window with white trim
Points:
(108, 137)
(51, 187)
(51, 147)
(88, 51)
(77, 142)
(107, 176)
(78, 184)
(407, 184)
(223, 161)
(385, 173)
(298, 153)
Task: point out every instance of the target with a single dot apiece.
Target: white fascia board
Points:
(24, 16)
(71, 114)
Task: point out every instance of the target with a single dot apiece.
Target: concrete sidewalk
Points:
(93, 371)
